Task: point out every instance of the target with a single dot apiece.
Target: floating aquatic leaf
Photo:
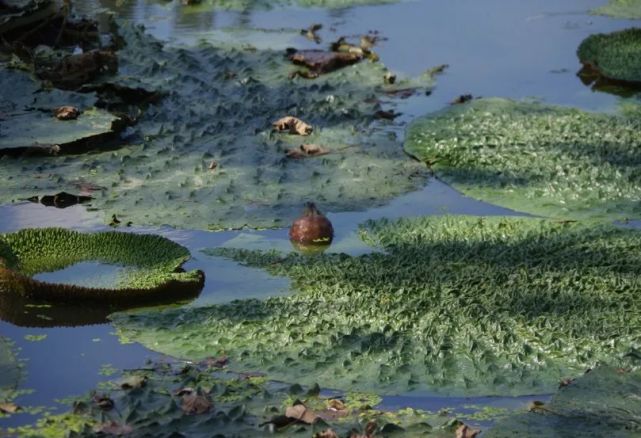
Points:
(615, 56)
(163, 177)
(153, 266)
(621, 9)
(456, 305)
(536, 158)
(603, 402)
(243, 409)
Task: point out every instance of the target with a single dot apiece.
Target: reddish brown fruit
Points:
(312, 228)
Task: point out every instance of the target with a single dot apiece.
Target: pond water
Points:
(88, 274)
(502, 48)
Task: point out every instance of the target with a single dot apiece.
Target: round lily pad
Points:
(615, 56)
(454, 305)
(535, 158)
(152, 266)
(630, 9)
(603, 402)
(191, 165)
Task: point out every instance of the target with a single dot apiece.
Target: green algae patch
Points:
(535, 158)
(152, 266)
(603, 402)
(615, 56)
(629, 9)
(454, 305)
(159, 400)
(27, 121)
(205, 156)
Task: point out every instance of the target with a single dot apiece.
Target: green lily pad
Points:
(615, 55)
(152, 266)
(603, 402)
(27, 120)
(233, 406)
(219, 107)
(630, 9)
(455, 305)
(536, 158)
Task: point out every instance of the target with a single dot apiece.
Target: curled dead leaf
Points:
(292, 125)
(113, 428)
(214, 362)
(133, 382)
(301, 413)
(327, 433)
(465, 431)
(461, 99)
(310, 33)
(336, 404)
(565, 382)
(213, 165)
(103, 402)
(9, 408)
(185, 391)
(307, 150)
(536, 405)
(386, 115)
(66, 112)
(195, 404)
(322, 61)
(389, 78)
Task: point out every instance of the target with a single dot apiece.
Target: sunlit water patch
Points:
(87, 274)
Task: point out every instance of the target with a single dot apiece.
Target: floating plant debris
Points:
(536, 158)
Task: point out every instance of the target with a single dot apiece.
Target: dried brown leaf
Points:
(9, 408)
(214, 362)
(292, 125)
(307, 150)
(195, 404)
(302, 414)
(132, 382)
(465, 431)
(103, 402)
(113, 428)
(327, 433)
(66, 113)
(322, 61)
